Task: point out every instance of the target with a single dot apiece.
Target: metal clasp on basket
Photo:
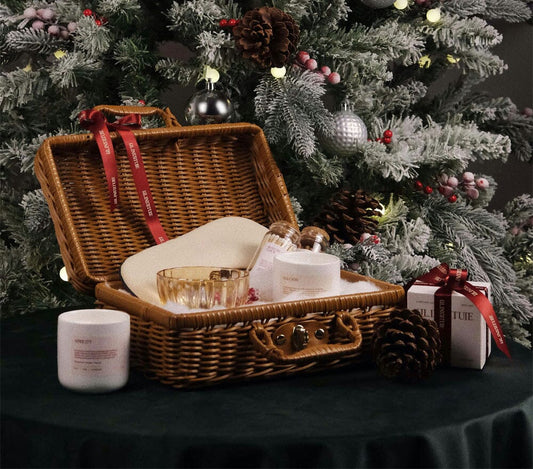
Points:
(300, 337)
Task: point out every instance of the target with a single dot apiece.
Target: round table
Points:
(350, 417)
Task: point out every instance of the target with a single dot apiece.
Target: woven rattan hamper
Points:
(196, 174)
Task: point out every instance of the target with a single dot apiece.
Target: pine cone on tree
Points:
(267, 35)
(406, 346)
(348, 215)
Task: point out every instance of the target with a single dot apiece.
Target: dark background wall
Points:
(513, 178)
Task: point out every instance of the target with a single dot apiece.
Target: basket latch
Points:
(299, 335)
(306, 341)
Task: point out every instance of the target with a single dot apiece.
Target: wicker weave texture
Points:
(186, 357)
(196, 175)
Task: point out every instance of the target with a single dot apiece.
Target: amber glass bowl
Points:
(203, 287)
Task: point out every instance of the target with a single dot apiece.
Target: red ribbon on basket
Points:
(96, 122)
(451, 280)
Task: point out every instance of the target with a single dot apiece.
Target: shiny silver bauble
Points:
(208, 106)
(348, 131)
(378, 3)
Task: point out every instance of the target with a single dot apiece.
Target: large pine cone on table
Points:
(268, 36)
(348, 215)
(406, 346)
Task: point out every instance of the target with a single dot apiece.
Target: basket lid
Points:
(196, 174)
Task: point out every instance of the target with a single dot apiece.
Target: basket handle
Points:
(307, 341)
(165, 114)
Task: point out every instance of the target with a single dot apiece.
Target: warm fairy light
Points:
(59, 54)
(452, 59)
(278, 72)
(401, 4)
(27, 68)
(63, 274)
(425, 61)
(211, 74)
(433, 15)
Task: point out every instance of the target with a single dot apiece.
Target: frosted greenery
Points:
(380, 56)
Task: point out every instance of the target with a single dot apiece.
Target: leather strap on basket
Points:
(345, 325)
(96, 122)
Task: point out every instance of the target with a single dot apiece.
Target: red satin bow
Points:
(456, 280)
(96, 122)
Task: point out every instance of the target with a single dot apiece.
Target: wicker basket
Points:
(196, 174)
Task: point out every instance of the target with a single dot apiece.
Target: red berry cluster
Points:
(371, 238)
(304, 60)
(231, 23)
(423, 3)
(99, 20)
(252, 295)
(450, 186)
(387, 137)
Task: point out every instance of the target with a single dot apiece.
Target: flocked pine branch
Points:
(291, 109)
(325, 15)
(192, 17)
(91, 38)
(512, 11)
(177, 71)
(463, 232)
(20, 86)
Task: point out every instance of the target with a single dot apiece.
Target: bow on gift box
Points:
(451, 280)
(96, 122)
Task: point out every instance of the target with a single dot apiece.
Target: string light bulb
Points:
(211, 74)
(27, 68)
(433, 15)
(452, 59)
(401, 4)
(59, 54)
(278, 72)
(425, 61)
(63, 274)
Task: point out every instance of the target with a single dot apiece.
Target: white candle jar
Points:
(93, 350)
(306, 274)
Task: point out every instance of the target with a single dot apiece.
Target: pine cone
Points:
(267, 35)
(406, 345)
(348, 215)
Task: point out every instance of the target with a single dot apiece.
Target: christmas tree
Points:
(58, 59)
(370, 148)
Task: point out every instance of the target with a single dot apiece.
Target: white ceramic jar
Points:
(93, 349)
(306, 274)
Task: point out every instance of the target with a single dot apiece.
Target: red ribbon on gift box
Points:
(96, 122)
(451, 280)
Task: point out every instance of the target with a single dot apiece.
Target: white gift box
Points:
(465, 335)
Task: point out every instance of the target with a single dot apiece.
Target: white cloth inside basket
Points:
(225, 242)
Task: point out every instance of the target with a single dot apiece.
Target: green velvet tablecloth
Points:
(345, 418)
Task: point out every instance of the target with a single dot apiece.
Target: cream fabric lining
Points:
(225, 242)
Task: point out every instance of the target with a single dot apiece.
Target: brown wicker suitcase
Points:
(196, 174)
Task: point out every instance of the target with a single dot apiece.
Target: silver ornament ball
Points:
(208, 106)
(378, 3)
(348, 132)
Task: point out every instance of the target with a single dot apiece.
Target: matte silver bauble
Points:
(208, 106)
(378, 3)
(348, 132)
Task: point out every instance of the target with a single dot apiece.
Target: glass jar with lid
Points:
(281, 237)
(314, 239)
